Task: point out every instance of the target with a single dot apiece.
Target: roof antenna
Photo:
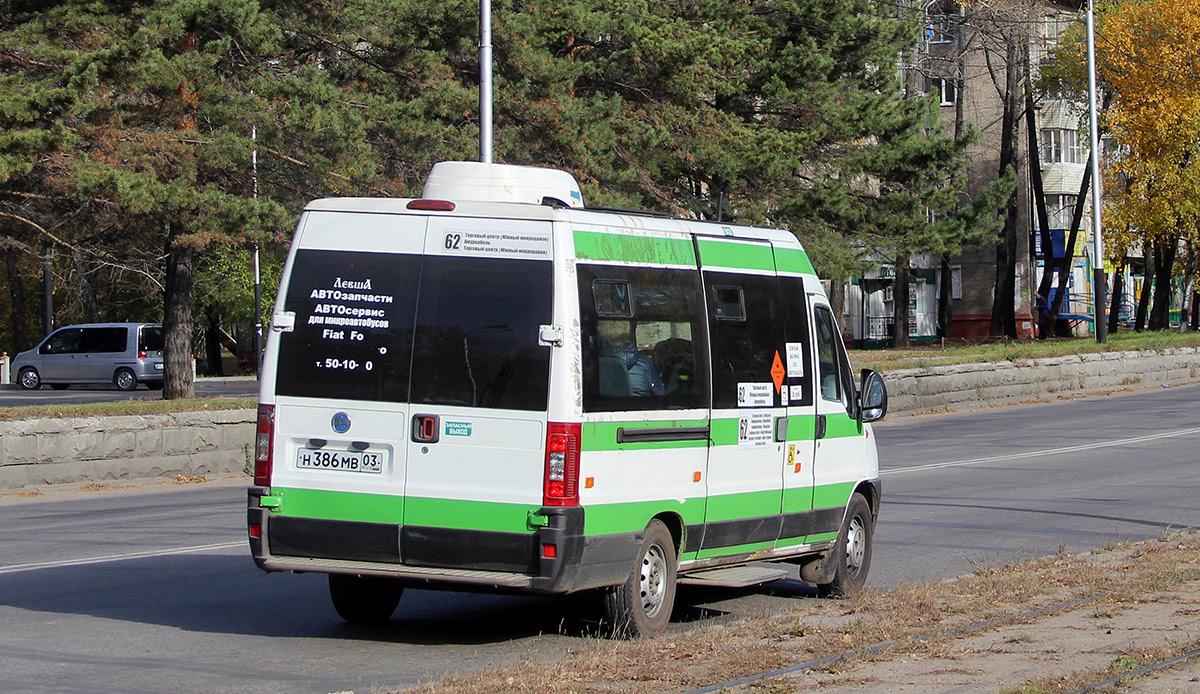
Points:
(485, 81)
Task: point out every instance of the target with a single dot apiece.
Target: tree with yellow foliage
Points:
(1147, 54)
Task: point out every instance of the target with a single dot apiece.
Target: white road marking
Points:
(1045, 452)
(17, 568)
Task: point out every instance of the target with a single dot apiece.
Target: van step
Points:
(734, 576)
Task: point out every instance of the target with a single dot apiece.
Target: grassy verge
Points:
(917, 357)
(126, 407)
(917, 618)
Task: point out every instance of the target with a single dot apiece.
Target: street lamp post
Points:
(1099, 283)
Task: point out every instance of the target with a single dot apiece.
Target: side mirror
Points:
(872, 397)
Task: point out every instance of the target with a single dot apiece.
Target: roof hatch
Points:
(477, 181)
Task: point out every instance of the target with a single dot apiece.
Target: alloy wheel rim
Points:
(856, 546)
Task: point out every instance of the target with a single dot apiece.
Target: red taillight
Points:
(431, 205)
(264, 441)
(256, 530)
(141, 354)
(562, 465)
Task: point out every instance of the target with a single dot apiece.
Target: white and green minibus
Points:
(494, 387)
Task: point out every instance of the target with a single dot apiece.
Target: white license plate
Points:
(158, 366)
(346, 461)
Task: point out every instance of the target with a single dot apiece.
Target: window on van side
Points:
(647, 350)
(104, 339)
(476, 339)
(832, 364)
(798, 358)
(65, 341)
(354, 317)
(743, 351)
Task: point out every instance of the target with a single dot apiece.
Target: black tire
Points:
(124, 379)
(364, 599)
(851, 551)
(154, 385)
(29, 378)
(60, 386)
(641, 606)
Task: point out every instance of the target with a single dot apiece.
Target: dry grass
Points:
(914, 618)
(126, 407)
(103, 487)
(1128, 662)
(189, 479)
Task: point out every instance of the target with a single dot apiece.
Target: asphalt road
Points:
(152, 589)
(13, 396)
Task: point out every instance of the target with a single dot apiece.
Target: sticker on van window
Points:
(495, 244)
(754, 430)
(458, 428)
(795, 359)
(797, 393)
(754, 395)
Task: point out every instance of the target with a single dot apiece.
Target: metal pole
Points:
(258, 326)
(47, 290)
(485, 81)
(1099, 283)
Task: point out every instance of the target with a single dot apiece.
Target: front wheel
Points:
(125, 380)
(364, 599)
(641, 606)
(29, 378)
(851, 553)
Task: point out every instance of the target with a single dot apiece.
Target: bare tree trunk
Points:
(837, 298)
(177, 319)
(1164, 265)
(20, 308)
(1004, 318)
(945, 292)
(47, 290)
(900, 304)
(212, 342)
(1039, 191)
(1143, 307)
(1114, 316)
(86, 290)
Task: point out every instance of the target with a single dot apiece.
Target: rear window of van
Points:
(422, 329)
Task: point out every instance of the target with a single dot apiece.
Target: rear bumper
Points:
(445, 558)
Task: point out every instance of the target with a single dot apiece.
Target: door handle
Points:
(820, 433)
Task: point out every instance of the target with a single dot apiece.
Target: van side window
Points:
(104, 339)
(65, 341)
(150, 339)
(476, 340)
(798, 358)
(830, 358)
(643, 339)
(743, 350)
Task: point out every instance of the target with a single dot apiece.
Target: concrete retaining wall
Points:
(943, 388)
(77, 450)
(98, 449)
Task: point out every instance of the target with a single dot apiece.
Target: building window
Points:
(945, 90)
(1061, 146)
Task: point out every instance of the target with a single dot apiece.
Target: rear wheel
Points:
(60, 386)
(154, 385)
(29, 378)
(641, 606)
(125, 380)
(852, 551)
(364, 599)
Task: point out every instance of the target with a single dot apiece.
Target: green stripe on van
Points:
(602, 436)
(833, 495)
(740, 256)
(397, 510)
(737, 549)
(632, 517)
(793, 260)
(591, 245)
(347, 506)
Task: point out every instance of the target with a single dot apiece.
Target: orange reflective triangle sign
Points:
(778, 372)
